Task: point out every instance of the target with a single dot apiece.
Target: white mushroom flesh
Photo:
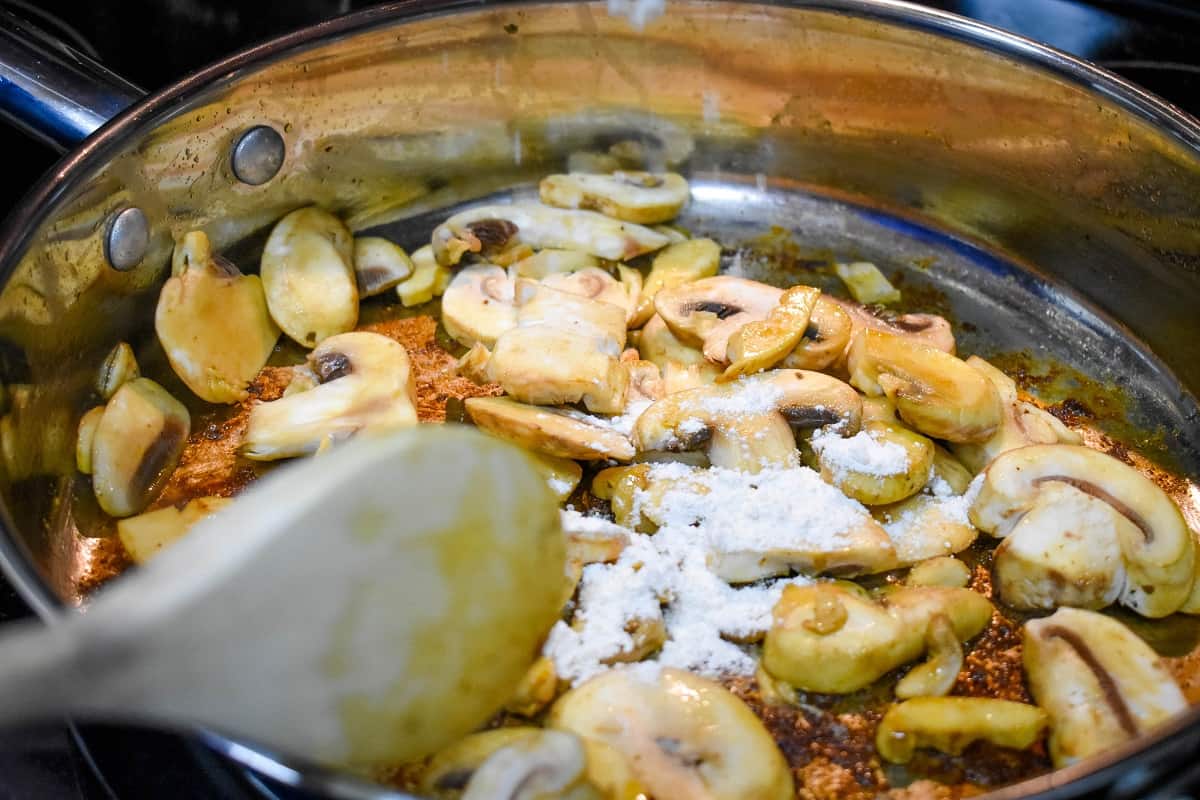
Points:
(1099, 683)
(365, 386)
(489, 228)
(479, 305)
(308, 275)
(379, 265)
(640, 197)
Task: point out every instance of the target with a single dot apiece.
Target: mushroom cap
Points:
(307, 273)
(640, 197)
(683, 735)
(826, 339)
(1064, 551)
(950, 724)
(379, 264)
(479, 305)
(365, 384)
(489, 228)
(927, 329)
(705, 313)
(678, 263)
(1158, 548)
(545, 365)
(746, 420)
(1099, 682)
(936, 393)
(214, 324)
(1021, 423)
(548, 430)
(682, 367)
(921, 527)
(136, 445)
(868, 640)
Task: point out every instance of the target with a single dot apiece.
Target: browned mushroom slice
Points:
(492, 228)
(934, 392)
(213, 322)
(684, 736)
(308, 276)
(678, 263)
(1157, 547)
(826, 339)
(640, 197)
(832, 638)
(746, 425)
(707, 312)
(363, 384)
(1022, 423)
(927, 329)
(950, 724)
(135, 446)
(682, 367)
(548, 430)
(1099, 682)
(762, 344)
(479, 305)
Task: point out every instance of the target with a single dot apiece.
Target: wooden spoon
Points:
(361, 608)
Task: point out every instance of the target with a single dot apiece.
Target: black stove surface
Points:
(152, 42)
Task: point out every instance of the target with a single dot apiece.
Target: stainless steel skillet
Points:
(1056, 206)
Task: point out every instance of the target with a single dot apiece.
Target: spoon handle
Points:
(40, 674)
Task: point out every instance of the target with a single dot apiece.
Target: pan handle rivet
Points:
(258, 155)
(127, 239)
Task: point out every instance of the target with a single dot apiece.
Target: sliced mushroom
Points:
(934, 392)
(565, 349)
(949, 475)
(379, 264)
(645, 381)
(939, 571)
(677, 264)
(925, 526)
(537, 689)
(825, 340)
(1158, 548)
(119, 367)
(1022, 423)
(682, 367)
(451, 769)
(144, 535)
(136, 445)
(639, 197)
(1064, 551)
(308, 274)
(592, 540)
(213, 323)
(936, 676)
(429, 279)
(365, 385)
(871, 639)
(685, 737)
(548, 430)
(551, 764)
(1100, 684)
(746, 425)
(594, 283)
(619, 486)
(489, 228)
(547, 366)
(927, 329)
(85, 436)
(949, 724)
(479, 305)
(545, 263)
(762, 344)
(562, 474)
(707, 312)
(883, 463)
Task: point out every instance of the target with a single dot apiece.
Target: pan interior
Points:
(1060, 346)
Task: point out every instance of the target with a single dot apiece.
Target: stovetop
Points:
(151, 42)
